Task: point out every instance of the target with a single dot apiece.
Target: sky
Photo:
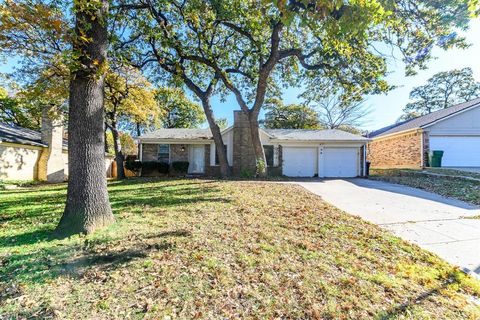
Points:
(386, 108)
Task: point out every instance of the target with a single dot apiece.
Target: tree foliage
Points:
(290, 116)
(177, 110)
(222, 123)
(15, 110)
(443, 90)
(128, 97)
(253, 47)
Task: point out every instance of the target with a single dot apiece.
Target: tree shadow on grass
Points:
(32, 237)
(77, 260)
(47, 209)
(398, 311)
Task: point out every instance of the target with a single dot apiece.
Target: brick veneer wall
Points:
(149, 152)
(402, 151)
(176, 153)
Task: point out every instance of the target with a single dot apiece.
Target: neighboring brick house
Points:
(31, 155)
(454, 130)
(290, 152)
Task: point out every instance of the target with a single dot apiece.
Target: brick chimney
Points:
(243, 153)
(50, 164)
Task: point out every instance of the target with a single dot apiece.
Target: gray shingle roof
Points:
(20, 135)
(182, 134)
(313, 135)
(280, 134)
(15, 134)
(425, 120)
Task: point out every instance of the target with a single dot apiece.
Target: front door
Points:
(197, 159)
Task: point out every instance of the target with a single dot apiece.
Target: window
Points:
(216, 156)
(268, 155)
(163, 153)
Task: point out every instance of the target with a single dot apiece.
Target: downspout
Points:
(422, 150)
(140, 149)
(365, 160)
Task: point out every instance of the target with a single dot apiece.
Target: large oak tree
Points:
(442, 90)
(88, 206)
(43, 37)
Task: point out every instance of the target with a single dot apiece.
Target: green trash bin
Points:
(436, 158)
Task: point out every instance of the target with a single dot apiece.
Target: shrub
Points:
(133, 165)
(180, 166)
(131, 157)
(247, 174)
(162, 167)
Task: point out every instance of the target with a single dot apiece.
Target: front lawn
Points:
(453, 172)
(448, 186)
(217, 250)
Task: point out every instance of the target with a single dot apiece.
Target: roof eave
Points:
(398, 133)
(175, 140)
(321, 140)
(32, 144)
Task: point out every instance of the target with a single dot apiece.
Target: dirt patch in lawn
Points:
(215, 250)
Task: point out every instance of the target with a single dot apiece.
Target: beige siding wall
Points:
(465, 123)
(401, 151)
(18, 162)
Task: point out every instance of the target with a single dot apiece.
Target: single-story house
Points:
(289, 152)
(454, 130)
(31, 155)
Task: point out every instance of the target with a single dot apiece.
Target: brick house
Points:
(454, 130)
(289, 152)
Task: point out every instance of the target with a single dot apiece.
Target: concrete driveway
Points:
(431, 221)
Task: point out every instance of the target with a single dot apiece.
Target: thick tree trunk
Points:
(260, 159)
(119, 157)
(107, 147)
(217, 139)
(137, 127)
(88, 206)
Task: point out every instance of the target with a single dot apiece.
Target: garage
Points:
(460, 151)
(340, 162)
(299, 161)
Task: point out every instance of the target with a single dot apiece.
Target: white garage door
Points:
(458, 151)
(299, 162)
(340, 162)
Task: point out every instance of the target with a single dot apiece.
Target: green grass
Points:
(453, 172)
(452, 187)
(214, 250)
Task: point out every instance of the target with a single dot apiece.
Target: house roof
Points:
(182, 134)
(313, 135)
(278, 134)
(425, 120)
(15, 134)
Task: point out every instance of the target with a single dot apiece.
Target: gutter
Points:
(321, 141)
